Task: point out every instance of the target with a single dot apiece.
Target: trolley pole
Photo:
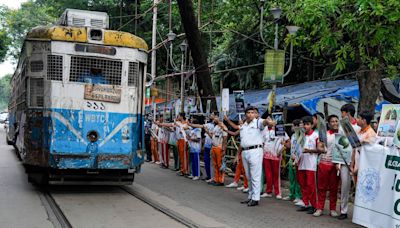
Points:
(154, 43)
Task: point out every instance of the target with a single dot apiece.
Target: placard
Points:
(277, 116)
(274, 65)
(225, 100)
(208, 107)
(280, 130)
(389, 118)
(342, 150)
(239, 101)
(321, 125)
(350, 133)
(107, 93)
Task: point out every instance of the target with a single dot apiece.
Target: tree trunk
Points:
(369, 83)
(198, 53)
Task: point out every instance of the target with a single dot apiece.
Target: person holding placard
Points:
(273, 147)
(347, 111)
(328, 179)
(308, 167)
(366, 135)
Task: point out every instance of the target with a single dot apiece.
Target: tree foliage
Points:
(4, 91)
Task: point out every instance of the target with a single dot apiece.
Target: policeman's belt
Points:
(252, 147)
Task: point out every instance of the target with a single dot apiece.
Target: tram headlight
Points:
(96, 34)
(92, 136)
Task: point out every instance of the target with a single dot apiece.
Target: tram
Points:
(77, 104)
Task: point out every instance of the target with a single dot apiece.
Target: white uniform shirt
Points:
(208, 139)
(327, 157)
(195, 147)
(154, 130)
(161, 135)
(218, 136)
(250, 133)
(309, 161)
(272, 144)
(179, 132)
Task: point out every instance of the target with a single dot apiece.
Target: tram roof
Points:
(79, 34)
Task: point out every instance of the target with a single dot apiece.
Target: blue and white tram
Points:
(77, 106)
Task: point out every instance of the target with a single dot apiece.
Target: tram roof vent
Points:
(84, 18)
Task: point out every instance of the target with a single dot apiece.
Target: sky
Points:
(7, 67)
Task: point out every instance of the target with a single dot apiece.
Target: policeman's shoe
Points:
(317, 213)
(311, 210)
(303, 208)
(245, 201)
(252, 203)
(342, 216)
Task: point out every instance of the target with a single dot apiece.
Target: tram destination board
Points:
(106, 93)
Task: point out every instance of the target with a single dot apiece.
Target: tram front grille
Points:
(110, 70)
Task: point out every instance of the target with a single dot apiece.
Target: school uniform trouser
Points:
(345, 179)
(175, 154)
(195, 158)
(217, 159)
(207, 161)
(327, 181)
(147, 144)
(272, 172)
(252, 163)
(165, 153)
(183, 156)
(154, 149)
(240, 171)
(308, 187)
(295, 190)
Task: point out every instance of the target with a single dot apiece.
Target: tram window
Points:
(54, 67)
(95, 49)
(82, 67)
(36, 66)
(133, 74)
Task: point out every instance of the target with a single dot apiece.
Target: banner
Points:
(377, 202)
(342, 150)
(225, 100)
(389, 118)
(274, 65)
(239, 101)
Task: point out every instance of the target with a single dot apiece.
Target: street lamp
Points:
(171, 36)
(183, 47)
(276, 13)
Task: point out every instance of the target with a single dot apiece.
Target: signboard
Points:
(107, 93)
(377, 201)
(350, 133)
(280, 130)
(322, 130)
(274, 65)
(342, 150)
(208, 108)
(389, 118)
(225, 100)
(239, 101)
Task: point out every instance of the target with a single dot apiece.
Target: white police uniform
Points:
(251, 141)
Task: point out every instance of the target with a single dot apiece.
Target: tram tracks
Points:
(54, 212)
(59, 220)
(170, 213)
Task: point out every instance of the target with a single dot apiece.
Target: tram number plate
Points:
(107, 93)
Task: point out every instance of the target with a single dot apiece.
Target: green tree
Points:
(5, 89)
(359, 36)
